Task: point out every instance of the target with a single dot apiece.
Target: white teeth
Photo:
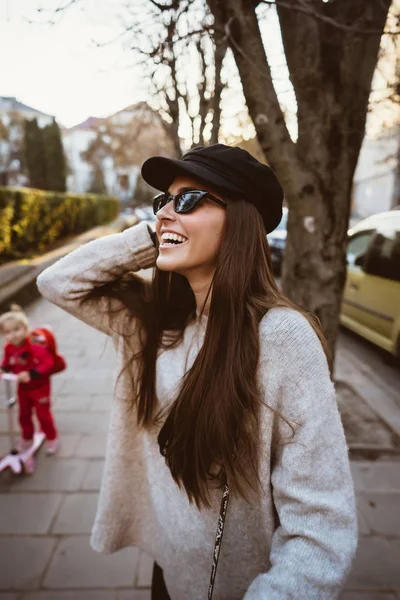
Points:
(172, 237)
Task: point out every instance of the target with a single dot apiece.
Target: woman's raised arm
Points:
(71, 280)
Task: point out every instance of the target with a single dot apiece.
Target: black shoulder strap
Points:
(218, 538)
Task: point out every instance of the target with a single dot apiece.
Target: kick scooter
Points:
(18, 462)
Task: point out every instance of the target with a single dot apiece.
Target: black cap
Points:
(231, 171)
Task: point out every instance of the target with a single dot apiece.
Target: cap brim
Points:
(160, 172)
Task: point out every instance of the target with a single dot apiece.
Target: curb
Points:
(22, 289)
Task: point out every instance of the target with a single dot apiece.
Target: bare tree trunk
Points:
(221, 47)
(331, 71)
(204, 102)
(396, 186)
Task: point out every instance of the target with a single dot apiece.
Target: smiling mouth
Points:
(172, 240)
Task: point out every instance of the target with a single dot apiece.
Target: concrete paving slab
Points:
(4, 421)
(68, 445)
(83, 423)
(93, 475)
(92, 446)
(23, 560)
(58, 383)
(100, 402)
(83, 387)
(4, 444)
(76, 514)
(66, 402)
(363, 524)
(145, 570)
(376, 476)
(53, 475)
(381, 512)
(134, 595)
(368, 596)
(376, 565)
(73, 595)
(76, 565)
(27, 513)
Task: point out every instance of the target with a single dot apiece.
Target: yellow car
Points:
(371, 300)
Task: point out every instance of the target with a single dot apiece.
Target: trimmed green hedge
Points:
(31, 220)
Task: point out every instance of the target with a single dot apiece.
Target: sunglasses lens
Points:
(159, 201)
(187, 201)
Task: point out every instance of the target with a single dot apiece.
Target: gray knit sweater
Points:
(297, 538)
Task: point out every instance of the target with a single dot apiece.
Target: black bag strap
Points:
(218, 538)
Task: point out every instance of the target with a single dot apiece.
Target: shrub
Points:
(31, 220)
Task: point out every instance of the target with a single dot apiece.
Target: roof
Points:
(88, 124)
(16, 105)
(92, 122)
(133, 108)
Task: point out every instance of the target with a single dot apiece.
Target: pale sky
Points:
(59, 70)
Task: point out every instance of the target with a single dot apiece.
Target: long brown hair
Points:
(212, 426)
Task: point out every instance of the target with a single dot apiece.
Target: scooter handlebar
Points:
(8, 377)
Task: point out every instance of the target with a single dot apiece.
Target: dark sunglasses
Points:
(184, 202)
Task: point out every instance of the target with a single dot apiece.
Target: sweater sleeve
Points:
(68, 282)
(316, 538)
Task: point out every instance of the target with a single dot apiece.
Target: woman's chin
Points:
(165, 263)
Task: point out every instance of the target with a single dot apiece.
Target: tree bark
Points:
(221, 47)
(331, 72)
(396, 185)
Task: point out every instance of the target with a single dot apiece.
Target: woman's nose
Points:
(167, 212)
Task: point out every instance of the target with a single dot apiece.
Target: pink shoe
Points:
(29, 465)
(52, 446)
(24, 445)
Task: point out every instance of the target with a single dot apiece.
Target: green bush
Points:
(31, 220)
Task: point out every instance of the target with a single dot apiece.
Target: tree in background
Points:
(44, 156)
(170, 40)
(56, 168)
(395, 99)
(34, 153)
(97, 184)
(331, 50)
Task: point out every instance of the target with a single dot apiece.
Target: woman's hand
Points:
(24, 377)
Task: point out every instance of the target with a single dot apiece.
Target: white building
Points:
(137, 128)
(374, 177)
(10, 105)
(76, 140)
(119, 181)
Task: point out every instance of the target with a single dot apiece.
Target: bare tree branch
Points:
(172, 6)
(311, 12)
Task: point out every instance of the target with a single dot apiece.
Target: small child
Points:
(33, 364)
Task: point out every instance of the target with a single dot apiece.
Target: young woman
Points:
(222, 381)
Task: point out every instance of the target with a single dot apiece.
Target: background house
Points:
(12, 116)
(103, 154)
(374, 178)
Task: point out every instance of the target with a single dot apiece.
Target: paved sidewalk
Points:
(45, 520)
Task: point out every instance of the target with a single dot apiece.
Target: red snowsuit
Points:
(39, 362)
